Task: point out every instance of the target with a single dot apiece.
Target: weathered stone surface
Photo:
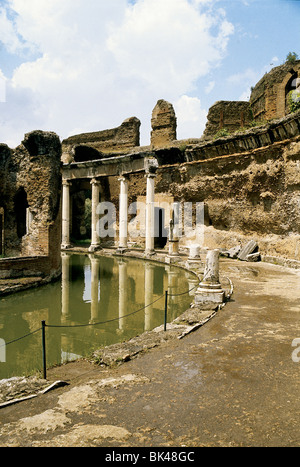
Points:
(164, 124)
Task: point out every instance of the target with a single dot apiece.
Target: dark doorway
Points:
(161, 234)
(1, 234)
(21, 206)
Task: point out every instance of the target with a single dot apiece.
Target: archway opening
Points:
(21, 205)
(161, 234)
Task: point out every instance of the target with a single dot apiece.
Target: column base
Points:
(65, 246)
(121, 250)
(209, 294)
(149, 253)
(171, 259)
(94, 248)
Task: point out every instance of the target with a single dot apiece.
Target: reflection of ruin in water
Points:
(99, 301)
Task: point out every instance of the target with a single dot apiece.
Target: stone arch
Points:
(290, 86)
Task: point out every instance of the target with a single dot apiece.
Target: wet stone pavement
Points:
(232, 382)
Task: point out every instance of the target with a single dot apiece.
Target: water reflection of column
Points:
(172, 291)
(149, 276)
(95, 245)
(123, 293)
(65, 286)
(95, 276)
(65, 214)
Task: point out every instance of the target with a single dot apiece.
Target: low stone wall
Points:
(25, 267)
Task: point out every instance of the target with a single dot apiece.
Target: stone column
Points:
(66, 214)
(149, 247)
(210, 290)
(123, 215)
(95, 245)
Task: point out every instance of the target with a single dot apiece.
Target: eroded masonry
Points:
(247, 181)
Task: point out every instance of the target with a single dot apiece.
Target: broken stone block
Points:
(231, 253)
(247, 250)
(254, 257)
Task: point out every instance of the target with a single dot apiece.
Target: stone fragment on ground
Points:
(248, 249)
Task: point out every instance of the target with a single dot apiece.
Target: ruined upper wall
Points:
(164, 124)
(126, 136)
(227, 115)
(269, 98)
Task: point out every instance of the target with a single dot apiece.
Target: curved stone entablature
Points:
(255, 138)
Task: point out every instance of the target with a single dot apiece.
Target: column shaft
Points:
(65, 214)
(123, 214)
(150, 214)
(95, 216)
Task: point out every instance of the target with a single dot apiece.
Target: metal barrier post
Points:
(166, 310)
(44, 350)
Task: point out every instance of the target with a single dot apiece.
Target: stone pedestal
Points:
(173, 256)
(194, 260)
(210, 290)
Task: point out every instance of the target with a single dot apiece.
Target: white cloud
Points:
(191, 118)
(210, 87)
(99, 62)
(2, 87)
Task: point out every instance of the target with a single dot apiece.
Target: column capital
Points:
(95, 181)
(150, 175)
(123, 178)
(66, 182)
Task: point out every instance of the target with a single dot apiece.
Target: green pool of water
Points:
(98, 301)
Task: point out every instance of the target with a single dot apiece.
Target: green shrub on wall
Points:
(294, 100)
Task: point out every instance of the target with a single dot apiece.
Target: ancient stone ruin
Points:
(248, 182)
(30, 194)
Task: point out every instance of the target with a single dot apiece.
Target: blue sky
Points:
(71, 66)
